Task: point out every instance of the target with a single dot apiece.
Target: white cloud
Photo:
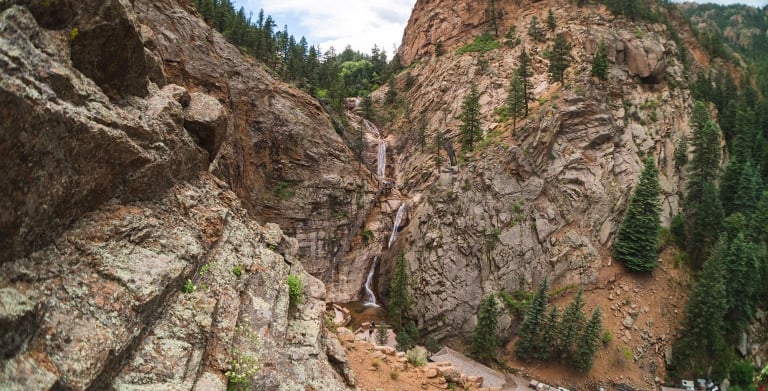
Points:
(754, 3)
(339, 23)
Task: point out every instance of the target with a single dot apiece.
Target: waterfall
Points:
(382, 159)
(370, 298)
(398, 220)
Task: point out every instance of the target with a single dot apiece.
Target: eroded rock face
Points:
(126, 264)
(281, 154)
(67, 148)
(544, 199)
(112, 309)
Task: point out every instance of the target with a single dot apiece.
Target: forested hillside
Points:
(725, 222)
(324, 74)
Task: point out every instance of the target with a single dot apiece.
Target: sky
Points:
(338, 23)
(358, 23)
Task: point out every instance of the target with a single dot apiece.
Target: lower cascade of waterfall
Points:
(370, 297)
(398, 220)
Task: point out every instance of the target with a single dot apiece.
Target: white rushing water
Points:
(398, 220)
(381, 158)
(370, 297)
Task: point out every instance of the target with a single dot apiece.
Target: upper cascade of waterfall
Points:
(398, 220)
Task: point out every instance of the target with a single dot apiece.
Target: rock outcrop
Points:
(131, 176)
(543, 199)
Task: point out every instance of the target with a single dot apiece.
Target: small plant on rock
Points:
(189, 287)
(237, 270)
(394, 374)
(244, 368)
(376, 363)
(295, 289)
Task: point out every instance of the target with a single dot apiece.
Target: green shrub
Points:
(607, 337)
(394, 374)
(295, 289)
(481, 44)
(416, 357)
(367, 235)
(284, 191)
(237, 270)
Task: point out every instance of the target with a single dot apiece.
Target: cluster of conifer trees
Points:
(329, 75)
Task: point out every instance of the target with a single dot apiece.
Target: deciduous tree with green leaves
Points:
(638, 236)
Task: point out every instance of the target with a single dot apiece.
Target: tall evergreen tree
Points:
(551, 21)
(527, 346)
(559, 58)
(706, 222)
(571, 326)
(535, 31)
(492, 15)
(525, 73)
(701, 340)
(600, 62)
(470, 118)
(638, 236)
(549, 334)
(516, 101)
(485, 337)
(399, 300)
(681, 152)
(587, 344)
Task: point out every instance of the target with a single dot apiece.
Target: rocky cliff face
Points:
(543, 199)
(138, 147)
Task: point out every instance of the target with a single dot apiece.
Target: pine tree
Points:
(571, 326)
(600, 62)
(551, 21)
(470, 117)
(438, 146)
(516, 101)
(705, 163)
(638, 236)
(681, 152)
(535, 31)
(526, 347)
(587, 344)
(701, 340)
(367, 107)
(705, 222)
(525, 72)
(382, 334)
(559, 58)
(422, 136)
(493, 17)
(399, 300)
(485, 339)
(549, 334)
